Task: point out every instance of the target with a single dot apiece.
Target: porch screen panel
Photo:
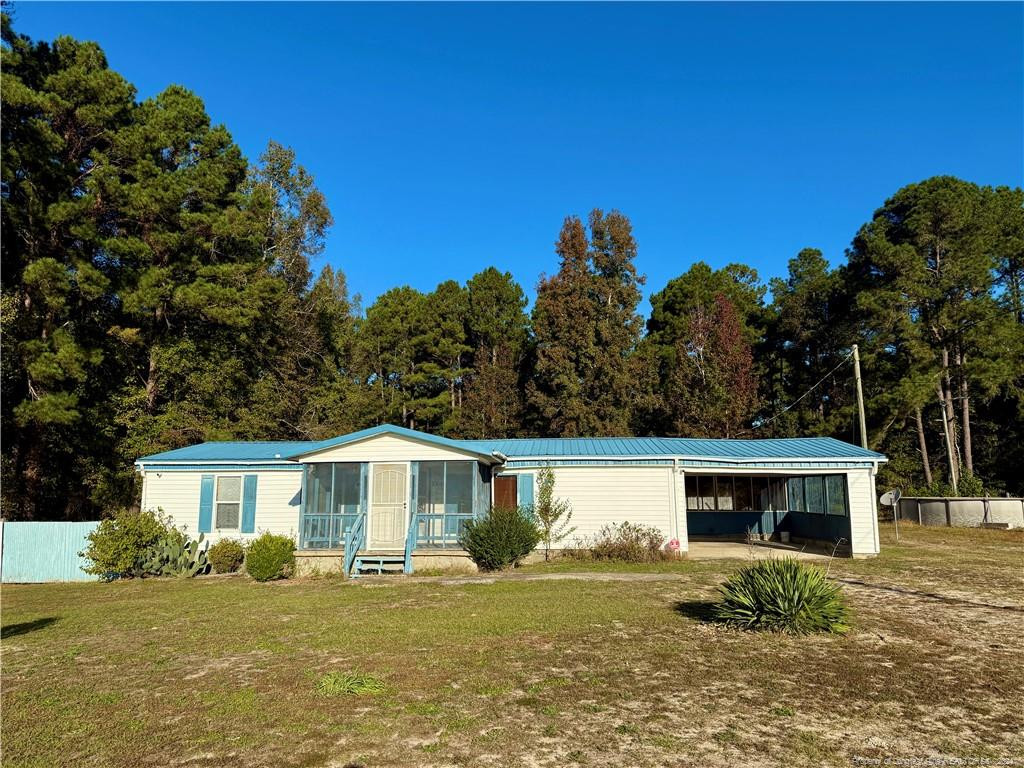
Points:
(744, 500)
(814, 492)
(458, 497)
(706, 493)
(332, 504)
(835, 486)
(347, 484)
(762, 494)
(430, 503)
(724, 491)
(796, 494)
(780, 500)
(444, 500)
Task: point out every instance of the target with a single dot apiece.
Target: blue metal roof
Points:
(769, 448)
(231, 451)
(795, 448)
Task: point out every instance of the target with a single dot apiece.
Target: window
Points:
(835, 487)
(229, 501)
(814, 493)
(796, 494)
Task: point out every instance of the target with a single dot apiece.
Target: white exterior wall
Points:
(863, 515)
(176, 493)
(612, 494)
(680, 510)
(388, 449)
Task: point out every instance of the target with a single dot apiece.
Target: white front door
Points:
(388, 506)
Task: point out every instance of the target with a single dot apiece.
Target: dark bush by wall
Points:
(270, 557)
(226, 556)
(783, 595)
(628, 542)
(501, 539)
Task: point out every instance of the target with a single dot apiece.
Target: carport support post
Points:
(860, 398)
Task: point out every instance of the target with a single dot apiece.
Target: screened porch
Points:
(441, 497)
(809, 506)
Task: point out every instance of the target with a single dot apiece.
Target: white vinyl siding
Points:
(863, 517)
(177, 494)
(609, 494)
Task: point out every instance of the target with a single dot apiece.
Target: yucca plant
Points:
(783, 595)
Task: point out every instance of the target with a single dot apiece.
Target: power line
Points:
(805, 394)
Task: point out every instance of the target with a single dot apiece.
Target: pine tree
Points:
(62, 105)
(498, 333)
(586, 329)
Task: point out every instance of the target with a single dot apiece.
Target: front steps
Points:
(370, 562)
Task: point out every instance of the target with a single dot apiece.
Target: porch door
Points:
(388, 507)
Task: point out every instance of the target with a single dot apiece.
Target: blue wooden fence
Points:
(37, 552)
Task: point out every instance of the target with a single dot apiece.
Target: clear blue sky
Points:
(452, 137)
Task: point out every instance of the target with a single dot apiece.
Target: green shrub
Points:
(270, 557)
(783, 595)
(123, 545)
(340, 683)
(626, 542)
(500, 539)
(226, 556)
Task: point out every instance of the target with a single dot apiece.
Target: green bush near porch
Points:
(270, 557)
(501, 539)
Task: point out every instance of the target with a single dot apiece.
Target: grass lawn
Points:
(224, 671)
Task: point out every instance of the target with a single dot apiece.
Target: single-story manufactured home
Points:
(391, 498)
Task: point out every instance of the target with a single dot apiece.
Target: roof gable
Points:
(462, 446)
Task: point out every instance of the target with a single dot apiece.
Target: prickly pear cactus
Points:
(179, 558)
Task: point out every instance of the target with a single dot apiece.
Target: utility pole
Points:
(860, 398)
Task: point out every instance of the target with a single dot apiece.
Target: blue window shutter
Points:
(524, 488)
(206, 504)
(249, 504)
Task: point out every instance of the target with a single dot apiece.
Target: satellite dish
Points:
(889, 498)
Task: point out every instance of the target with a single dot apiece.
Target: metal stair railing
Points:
(355, 540)
(410, 538)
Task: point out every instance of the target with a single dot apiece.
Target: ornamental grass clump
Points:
(342, 683)
(783, 595)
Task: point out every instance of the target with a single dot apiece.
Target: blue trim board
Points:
(222, 467)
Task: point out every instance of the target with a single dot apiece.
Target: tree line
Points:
(158, 291)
